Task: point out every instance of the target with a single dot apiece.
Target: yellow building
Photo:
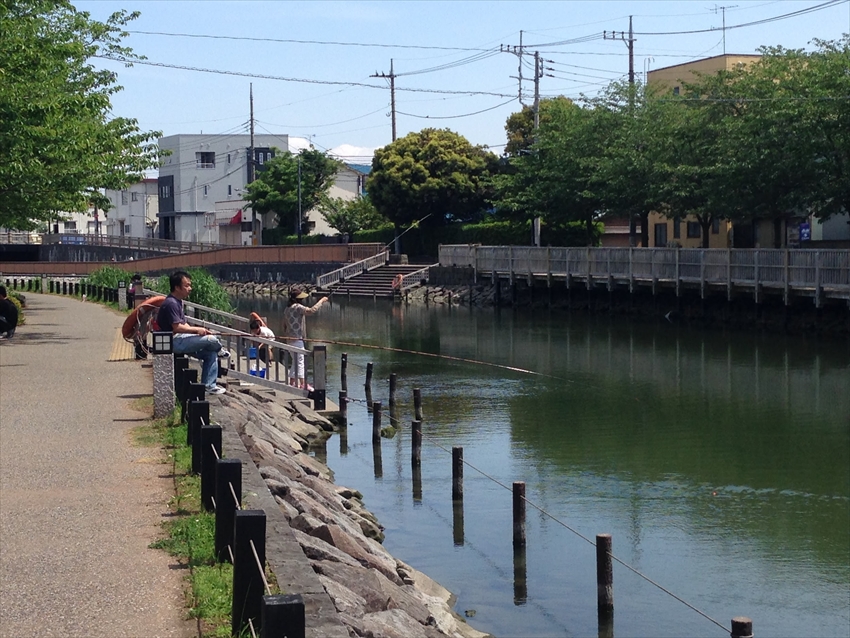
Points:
(686, 232)
(674, 76)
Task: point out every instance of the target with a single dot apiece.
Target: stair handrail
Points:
(351, 270)
(411, 279)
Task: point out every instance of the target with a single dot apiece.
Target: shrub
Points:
(13, 297)
(206, 291)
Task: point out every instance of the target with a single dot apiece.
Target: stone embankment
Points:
(374, 594)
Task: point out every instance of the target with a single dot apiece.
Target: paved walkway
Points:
(79, 501)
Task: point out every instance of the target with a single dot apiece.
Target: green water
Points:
(719, 462)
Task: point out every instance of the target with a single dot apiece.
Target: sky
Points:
(455, 62)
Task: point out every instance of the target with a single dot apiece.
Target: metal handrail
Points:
(416, 277)
(351, 270)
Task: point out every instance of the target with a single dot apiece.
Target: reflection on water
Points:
(719, 462)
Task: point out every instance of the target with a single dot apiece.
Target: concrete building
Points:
(350, 183)
(134, 211)
(205, 173)
(674, 76)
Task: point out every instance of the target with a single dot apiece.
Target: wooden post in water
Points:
(376, 422)
(519, 514)
(604, 574)
(457, 473)
(343, 372)
(417, 404)
(343, 406)
(742, 627)
(368, 385)
(416, 444)
(393, 382)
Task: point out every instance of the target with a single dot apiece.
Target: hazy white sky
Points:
(331, 47)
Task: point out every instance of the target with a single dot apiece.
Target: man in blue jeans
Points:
(195, 341)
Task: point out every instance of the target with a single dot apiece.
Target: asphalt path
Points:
(80, 501)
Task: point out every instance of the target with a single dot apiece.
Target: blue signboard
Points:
(805, 231)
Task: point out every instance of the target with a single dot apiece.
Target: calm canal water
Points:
(719, 462)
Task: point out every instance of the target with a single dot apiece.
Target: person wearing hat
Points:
(295, 328)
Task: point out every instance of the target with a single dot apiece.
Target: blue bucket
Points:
(258, 373)
(252, 353)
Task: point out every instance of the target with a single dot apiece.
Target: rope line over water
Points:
(394, 421)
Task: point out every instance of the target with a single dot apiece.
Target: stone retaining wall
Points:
(322, 542)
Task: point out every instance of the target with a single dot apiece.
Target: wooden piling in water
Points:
(604, 574)
(742, 627)
(457, 473)
(416, 444)
(343, 406)
(393, 384)
(343, 372)
(376, 422)
(417, 404)
(368, 385)
(519, 514)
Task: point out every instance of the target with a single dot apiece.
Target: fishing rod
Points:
(448, 357)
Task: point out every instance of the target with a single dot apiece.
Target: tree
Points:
(350, 215)
(557, 179)
(275, 190)
(58, 139)
(434, 174)
(520, 126)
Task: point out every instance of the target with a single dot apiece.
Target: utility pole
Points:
(723, 11)
(254, 241)
(630, 43)
(299, 199)
(517, 51)
(391, 77)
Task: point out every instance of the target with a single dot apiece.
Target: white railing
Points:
(817, 270)
(421, 276)
(139, 243)
(346, 272)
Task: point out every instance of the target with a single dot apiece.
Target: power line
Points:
(784, 16)
(452, 117)
(288, 79)
(316, 42)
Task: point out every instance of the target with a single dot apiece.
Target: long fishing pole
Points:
(436, 356)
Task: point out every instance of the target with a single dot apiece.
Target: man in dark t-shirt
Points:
(8, 315)
(195, 341)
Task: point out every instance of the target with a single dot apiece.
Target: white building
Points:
(350, 183)
(134, 211)
(205, 173)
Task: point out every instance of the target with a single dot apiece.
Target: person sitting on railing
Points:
(195, 341)
(259, 328)
(296, 332)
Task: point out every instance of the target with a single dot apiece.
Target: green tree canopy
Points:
(350, 215)
(520, 125)
(435, 173)
(58, 139)
(275, 190)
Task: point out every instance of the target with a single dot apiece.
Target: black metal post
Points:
(210, 439)
(227, 472)
(283, 615)
(249, 525)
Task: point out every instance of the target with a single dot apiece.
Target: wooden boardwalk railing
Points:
(820, 274)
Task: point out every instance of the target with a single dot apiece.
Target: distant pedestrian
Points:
(8, 315)
(295, 328)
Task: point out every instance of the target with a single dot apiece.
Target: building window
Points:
(261, 157)
(693, 230)
(677, 231)
(134, 197)
(715, 226)
(126, 229)
(165, 192)
(228, 158)
(246, 227)
(660, 235)
(206, 190)
(675, 90)
(124, 197)
(205, 159)
(229, 189)
(71, 227)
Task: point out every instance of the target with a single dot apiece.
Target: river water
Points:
(718, 461)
